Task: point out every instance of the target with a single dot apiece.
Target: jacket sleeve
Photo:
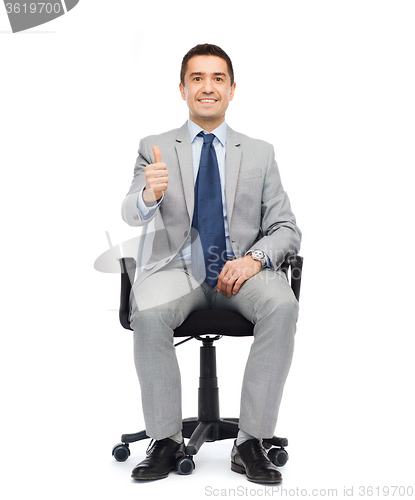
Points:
(280, 236)
(129, 208)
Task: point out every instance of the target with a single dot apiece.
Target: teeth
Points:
(207, 100)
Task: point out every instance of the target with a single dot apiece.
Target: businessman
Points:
(223, 227)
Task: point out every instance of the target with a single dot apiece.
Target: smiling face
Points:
(207, 90)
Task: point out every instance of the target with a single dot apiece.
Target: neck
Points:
(208, 125)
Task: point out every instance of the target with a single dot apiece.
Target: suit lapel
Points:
(233, 164)
(184, 152)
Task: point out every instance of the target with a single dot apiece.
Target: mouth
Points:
(207, 101)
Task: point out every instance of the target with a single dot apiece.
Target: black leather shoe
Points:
(161, 459)
(251, 459)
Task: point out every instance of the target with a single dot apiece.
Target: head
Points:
(207, 84)
(206, 49)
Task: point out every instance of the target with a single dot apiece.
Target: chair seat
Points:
(215, 322)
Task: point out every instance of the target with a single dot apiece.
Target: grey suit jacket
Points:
(258, 209)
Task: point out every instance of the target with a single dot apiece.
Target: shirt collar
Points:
(220, 132)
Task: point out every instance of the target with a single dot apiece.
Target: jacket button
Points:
(135, 217)
(167, 260)
(186, 233)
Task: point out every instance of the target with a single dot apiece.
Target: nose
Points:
(208, 86)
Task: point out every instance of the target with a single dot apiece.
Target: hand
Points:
(235, 272)
(157, 178)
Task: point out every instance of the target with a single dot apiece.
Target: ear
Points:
(232, 91)
(182, 91)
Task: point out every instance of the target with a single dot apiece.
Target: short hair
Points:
(206, 49)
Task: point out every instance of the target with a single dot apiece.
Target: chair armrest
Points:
(295, 264)
(128, 267)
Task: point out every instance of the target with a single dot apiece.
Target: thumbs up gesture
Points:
(157, 178)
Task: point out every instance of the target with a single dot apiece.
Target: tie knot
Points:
(207, 138)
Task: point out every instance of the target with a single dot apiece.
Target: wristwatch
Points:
(258, 255)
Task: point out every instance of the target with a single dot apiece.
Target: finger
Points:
(157, 176)
(154, 178)
(222, 278)
(229, 281)
(236, 282)
(159, 186)
(160, 170)
(155, 181)
(239, 282)
(157, 154)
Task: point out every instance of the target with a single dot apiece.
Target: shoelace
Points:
(258, 449)
(154, 443)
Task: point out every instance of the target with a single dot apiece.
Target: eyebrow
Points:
(199, 73)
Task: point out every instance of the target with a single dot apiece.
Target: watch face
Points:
(259, 256)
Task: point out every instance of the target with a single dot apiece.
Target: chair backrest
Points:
(128, 267)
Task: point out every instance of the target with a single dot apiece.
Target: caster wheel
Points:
(121, 452)
(185, 465)
(278, 456)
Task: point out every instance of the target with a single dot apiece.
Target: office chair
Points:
(206, 326)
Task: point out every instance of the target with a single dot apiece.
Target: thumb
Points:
(157, 154)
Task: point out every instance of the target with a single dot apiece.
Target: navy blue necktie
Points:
(208, 211)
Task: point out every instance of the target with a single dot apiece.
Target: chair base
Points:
(208, 426)
(203, 432)
(199, 433)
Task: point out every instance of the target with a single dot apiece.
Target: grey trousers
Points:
(163, 301)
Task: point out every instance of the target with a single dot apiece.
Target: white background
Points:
(331, 85)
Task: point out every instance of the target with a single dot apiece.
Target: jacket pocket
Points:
(250, 174)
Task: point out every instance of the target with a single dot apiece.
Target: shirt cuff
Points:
(145, 211)
(268, 262)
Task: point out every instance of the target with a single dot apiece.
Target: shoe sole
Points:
(149, 478)
(154, 478)
(240, 470)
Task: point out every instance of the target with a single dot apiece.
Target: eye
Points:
(219, 79)
(197, 79)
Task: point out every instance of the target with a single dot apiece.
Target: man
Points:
(223, 226)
